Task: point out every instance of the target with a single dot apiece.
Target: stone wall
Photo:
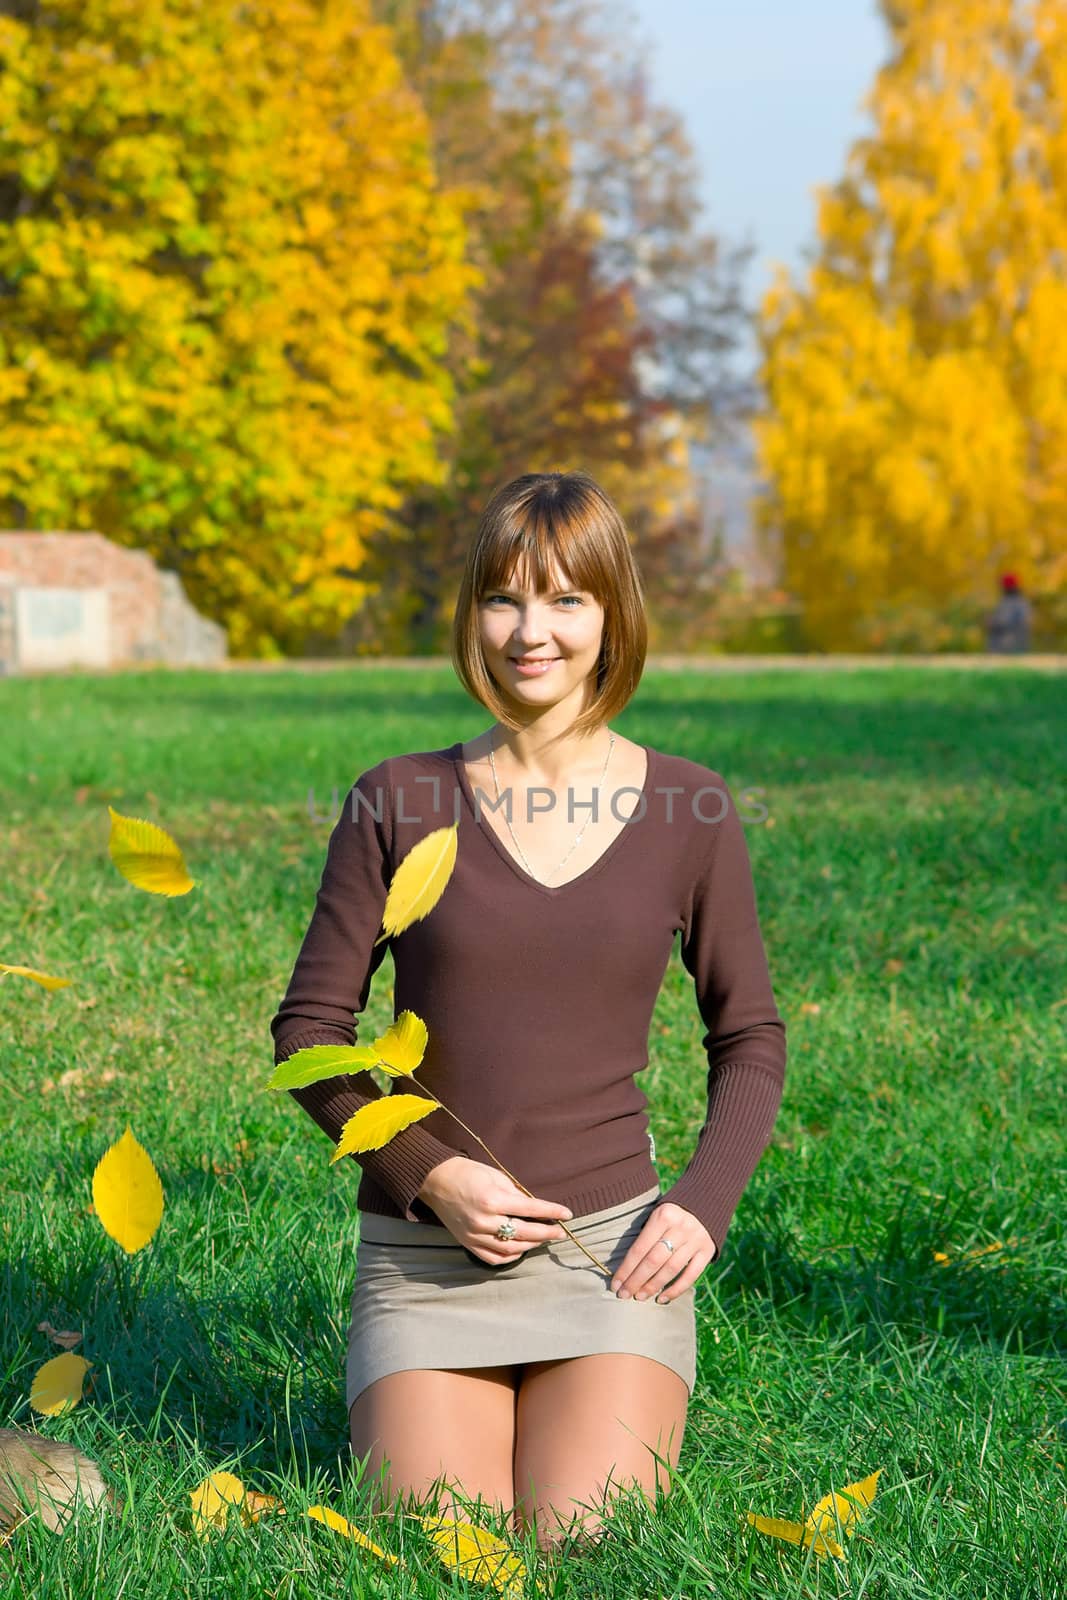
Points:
(77, 599)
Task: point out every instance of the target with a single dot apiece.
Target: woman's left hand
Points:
(648, 1266)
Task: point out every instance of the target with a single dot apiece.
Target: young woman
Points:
(486, 1350)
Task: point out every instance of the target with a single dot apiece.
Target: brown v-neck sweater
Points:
(538, 999)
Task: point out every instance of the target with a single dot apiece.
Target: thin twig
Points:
(393, 1073)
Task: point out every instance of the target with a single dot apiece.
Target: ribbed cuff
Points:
(747, 1095)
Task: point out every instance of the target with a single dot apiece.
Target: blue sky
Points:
(770, 92)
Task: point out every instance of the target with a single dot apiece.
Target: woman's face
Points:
(562, 627)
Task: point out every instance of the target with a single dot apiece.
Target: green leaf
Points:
(321, 1061)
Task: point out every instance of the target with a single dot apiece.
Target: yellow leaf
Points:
(819, 1528)
(824, 1544)
(793, 1531)
(943, 1259)
(848, 1514)
(219, 1494)
(43, 978)
(320, 1061)
(339, 1524)
(374, 1125)
(476, 1554)
(127, 1193)
(796, 1533)
(212, 1500)
(57, 1386)
(147, 856)
(255, 1505)
(419, 880)
(402, 1046)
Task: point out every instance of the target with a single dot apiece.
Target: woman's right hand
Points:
(472, 1199)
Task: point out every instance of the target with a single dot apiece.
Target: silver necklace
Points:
(581, 830)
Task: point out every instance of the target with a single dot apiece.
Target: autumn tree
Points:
(604, 313)
(228, 276)
(915, 437)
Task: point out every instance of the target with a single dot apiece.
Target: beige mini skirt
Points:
(423, 1300)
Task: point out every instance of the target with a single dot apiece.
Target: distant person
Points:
(1008, 628)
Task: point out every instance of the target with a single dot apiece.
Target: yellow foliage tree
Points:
(227, 279)
(603, 311)
(915, 437)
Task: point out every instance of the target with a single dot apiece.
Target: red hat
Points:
(1009, 581)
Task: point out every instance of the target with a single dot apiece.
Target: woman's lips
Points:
(533, 669)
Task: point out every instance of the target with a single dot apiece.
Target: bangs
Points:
(540, 544)
(547, 530)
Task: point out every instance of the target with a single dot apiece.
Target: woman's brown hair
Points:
(564, 519)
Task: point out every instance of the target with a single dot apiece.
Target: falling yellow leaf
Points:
(318, 1061)
(127, 1193)
(43, 978)
(819, 1528)
(476, 1554)
(375, 1124)
(339, 1524)
(147, 856)
(66, 1339)
(419, 880)
(57, 1386)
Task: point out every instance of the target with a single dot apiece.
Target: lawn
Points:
(891, 1294)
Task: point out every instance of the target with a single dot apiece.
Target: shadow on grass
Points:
(257, 1369)
(1003, 1298)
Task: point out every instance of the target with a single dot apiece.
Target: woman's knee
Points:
(426, 1431)
(625, 1420)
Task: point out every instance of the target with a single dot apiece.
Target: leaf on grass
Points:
(66, 1339)
(320, 1061)
(222, 1492)
(256, 1505)
(419, 880)
(57, 1385)
(127, 1193)
(147, 856)
(374, 1125)
(45, 979)
(213, 1499)
(943, 1258)
(476, 1554)
(819, 1528)
(339, 1524)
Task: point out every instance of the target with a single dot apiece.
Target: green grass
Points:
(911, 886)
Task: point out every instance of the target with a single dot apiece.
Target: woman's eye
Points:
(576, 598)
